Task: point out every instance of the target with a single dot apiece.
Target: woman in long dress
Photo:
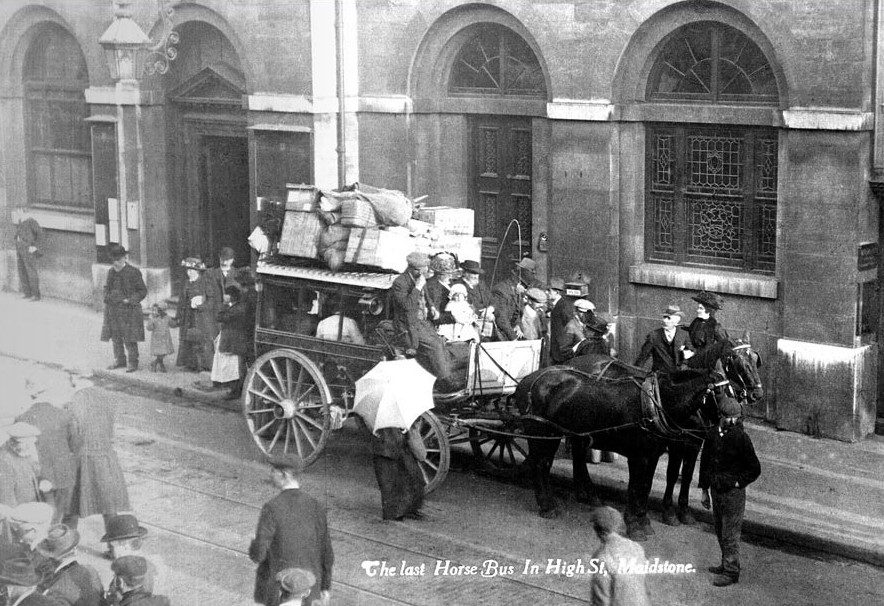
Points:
(196, 318)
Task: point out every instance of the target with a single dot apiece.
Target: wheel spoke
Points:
(268, 383)
(296, 390)
(285, 445)
(275, 437)
(263, 427)
(301, 396)
(308, 419)
(305, 432)
(280, 381)
(257, 412)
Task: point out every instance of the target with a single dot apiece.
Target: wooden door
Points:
(500, 189)
(224, 196)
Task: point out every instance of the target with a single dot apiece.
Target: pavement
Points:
(813, 494)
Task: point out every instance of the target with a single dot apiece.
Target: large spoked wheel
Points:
(286, 405)
(435, 440)
(498, 454)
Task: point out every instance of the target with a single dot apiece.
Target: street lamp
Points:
(125, 43)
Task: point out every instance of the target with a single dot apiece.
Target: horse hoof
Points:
(686, 517)
(645, 524)
(670, 518)
(549, 514)
(637, 534)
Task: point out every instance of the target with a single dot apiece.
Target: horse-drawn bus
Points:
(319, 331)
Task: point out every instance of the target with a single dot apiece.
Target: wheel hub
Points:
(285, 409)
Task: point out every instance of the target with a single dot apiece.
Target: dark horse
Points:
(563, 401)
(743, 385)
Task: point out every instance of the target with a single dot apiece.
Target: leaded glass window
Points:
(57, 136)
(712, 62)
(496, 61)
(712, 196)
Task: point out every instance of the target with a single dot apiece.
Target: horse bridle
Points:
(744, 388)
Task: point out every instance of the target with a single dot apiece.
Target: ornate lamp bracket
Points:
(161, 53)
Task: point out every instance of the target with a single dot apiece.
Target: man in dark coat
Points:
(67, 581)
(123, 319)
(727, 466)
(55, 448)
(220, 278)
(669, 345)
(561, 313)
(292, 532)
(100, 486)
(18, 577)
(705, 329)
(398, 474)
(409, 309)
(28, 238)
(507, 299)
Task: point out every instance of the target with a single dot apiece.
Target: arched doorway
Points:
(208, 146)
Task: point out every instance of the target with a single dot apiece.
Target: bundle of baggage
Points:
(372, 226)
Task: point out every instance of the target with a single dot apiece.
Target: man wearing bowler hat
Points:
(727, 466)
(18, 580)
(123, 320)
(66, 580)
(705, 329)
(292, 533)
(668, 346)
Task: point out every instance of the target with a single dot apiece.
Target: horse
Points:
(744, 385)
(564, 401)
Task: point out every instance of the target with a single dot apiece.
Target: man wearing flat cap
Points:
(128, 585)
(533, 321)
(124, 537)
(728, 464)
(66, 580)
(295, 584)
(292, 533)
(19, 581)
(410, 317)
(668, 346)
(705, 329)
(616, 587)
(123, 319)
(507, 298)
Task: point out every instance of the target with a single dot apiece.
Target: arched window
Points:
(496, 61)
(711, 190)
(57, 136)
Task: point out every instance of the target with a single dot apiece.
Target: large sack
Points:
(392, 207)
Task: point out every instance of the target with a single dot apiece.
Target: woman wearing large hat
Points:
(705, 329)
(196, 318)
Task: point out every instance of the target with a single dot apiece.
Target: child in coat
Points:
(161, 346)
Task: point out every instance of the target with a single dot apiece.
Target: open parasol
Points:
(394, 394)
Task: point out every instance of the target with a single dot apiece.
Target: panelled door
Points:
(500, 189)
(224, 196)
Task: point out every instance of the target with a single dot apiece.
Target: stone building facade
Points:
(650, 147)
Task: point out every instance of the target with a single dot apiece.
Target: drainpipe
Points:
(342, 120)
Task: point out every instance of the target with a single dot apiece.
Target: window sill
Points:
(61, 219)
(695, 278)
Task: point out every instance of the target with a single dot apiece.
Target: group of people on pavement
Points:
(57, 465)
(215, 317)
(728, 462)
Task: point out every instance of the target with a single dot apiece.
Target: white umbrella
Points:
(394, 394)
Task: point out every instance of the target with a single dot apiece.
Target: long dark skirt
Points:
(398, 474)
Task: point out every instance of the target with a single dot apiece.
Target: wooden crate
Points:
(302, 198)
(300, 234)
(465, 247)
(378, 248)
(448, 219)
